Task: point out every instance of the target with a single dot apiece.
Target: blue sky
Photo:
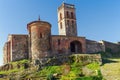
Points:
(96, 19)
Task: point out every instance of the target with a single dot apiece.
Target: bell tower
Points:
(67, 20)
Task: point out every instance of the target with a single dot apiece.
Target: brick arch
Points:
(75, 46)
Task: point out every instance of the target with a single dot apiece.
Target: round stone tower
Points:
(39, 39)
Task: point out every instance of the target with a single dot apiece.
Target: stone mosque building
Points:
(39, 43)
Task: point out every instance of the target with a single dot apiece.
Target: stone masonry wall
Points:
(67, 21)
(94, 46)
(112, 47)
(40, 36)
(62, 59)
(7, 50)
(5, 53)
(19, 47)
(61, 44)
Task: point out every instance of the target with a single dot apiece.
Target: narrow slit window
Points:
(68, 23)
(72, 15)
(61, 25)
(40, 35)
(72, 23)
(67, 13)
(60, 16)
(58, 41)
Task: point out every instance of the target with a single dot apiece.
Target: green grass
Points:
(68, 71)
(20, 62)
(73, 71)
(93, 66)
(10, 71)
(111, 69)
(15, 69)
(49, 70)
(23, 61)
(73, 74)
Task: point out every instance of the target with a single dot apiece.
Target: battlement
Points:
(66, 5)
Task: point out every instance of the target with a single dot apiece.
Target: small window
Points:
(72, 23)
(61, 25)
(72, 15)
(68, 23)
(67, 14)
(40, 35)
(60, 16)
(58, 41)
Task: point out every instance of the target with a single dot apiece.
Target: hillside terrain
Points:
(74, 69)
(111, 69)
(77, 68)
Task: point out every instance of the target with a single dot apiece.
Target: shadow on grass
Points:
(105, 60)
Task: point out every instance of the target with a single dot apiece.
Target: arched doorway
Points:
(75, 47)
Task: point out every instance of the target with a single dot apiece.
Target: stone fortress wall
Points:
(19, 47)
(102, 46)
(16, 48)
(63, 44)
(94, 46)
(110, 46)
(39, 43)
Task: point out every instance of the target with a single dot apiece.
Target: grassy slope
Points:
(66, 72)
(111, 69)
(15, 67)
(71, 72)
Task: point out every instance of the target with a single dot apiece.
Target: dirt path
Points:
(111, 70)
